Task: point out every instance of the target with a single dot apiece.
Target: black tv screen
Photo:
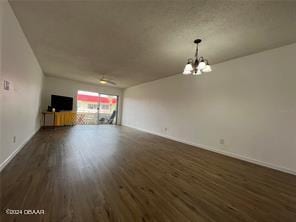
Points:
(61, 103)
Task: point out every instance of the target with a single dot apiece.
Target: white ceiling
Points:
(132, 42)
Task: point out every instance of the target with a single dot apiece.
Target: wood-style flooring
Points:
(113, 173)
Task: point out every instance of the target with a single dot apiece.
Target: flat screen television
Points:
(61, 103)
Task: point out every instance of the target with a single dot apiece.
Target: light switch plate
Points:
(6, 85)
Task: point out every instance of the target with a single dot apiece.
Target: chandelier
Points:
(197, 66)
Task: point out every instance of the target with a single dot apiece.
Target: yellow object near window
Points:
(65, 118)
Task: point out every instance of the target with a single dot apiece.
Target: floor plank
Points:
(113, 173)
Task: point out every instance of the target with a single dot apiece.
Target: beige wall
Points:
(250, 102)
(1, 78)
(64, 87)
(20, 106)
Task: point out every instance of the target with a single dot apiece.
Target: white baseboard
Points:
(226, 153)
(13, 154)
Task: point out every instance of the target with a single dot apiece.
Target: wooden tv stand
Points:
(64, 118)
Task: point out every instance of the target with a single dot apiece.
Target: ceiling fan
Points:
(104, 80)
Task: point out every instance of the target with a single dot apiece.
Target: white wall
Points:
(250, 102)
(64, 87)
(20, 105)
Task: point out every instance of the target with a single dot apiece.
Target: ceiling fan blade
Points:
(110, 82)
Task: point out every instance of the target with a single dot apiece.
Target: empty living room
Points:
(147, 110)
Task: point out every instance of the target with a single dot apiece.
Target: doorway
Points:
(96, 108)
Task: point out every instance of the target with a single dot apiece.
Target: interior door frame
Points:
(117, 102)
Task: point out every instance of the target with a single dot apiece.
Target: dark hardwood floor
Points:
(109, 173)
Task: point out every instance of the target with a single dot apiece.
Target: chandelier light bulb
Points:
(188, 69)
(207, 69)
(202, 64)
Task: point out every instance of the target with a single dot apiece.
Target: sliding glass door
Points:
(87, 108)
(94, 108)
(108, 109)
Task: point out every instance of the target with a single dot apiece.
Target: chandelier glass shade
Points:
(197, 66)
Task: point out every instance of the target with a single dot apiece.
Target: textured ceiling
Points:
(132, 42)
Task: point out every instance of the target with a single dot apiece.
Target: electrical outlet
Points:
(14, 139)
(165, 129)
(222, 141)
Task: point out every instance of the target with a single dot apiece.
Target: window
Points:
(104, 106)
(92, 106)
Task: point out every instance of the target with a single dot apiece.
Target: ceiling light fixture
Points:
(103, 80)
(197, 66)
